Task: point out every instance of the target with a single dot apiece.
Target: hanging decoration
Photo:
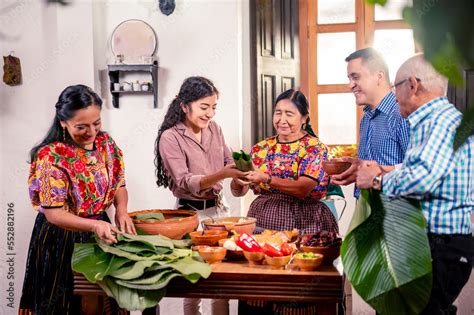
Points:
(11, 70)
(167, 6)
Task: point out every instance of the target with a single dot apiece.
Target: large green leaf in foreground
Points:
(386, 254)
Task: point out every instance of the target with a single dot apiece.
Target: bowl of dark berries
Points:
(325, 243)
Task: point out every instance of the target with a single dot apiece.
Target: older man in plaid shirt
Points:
(434, 173)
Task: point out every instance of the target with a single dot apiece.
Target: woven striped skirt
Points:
(48, 284)
(275, 211)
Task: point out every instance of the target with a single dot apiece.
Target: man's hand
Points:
(350, 175)
(367, 171)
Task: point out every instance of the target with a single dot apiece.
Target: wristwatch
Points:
(269, 180)
(377, 182)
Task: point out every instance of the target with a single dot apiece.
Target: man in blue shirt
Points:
(384, 133)
(432, 172)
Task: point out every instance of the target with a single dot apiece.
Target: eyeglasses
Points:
(394, 86)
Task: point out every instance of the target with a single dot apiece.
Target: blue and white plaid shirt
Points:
(384, 134)
(443, 179)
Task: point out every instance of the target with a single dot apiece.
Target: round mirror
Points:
(133, 40)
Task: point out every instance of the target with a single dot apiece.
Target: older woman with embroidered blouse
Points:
(288, 176)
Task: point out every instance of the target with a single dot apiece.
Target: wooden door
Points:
(463, 96)
(275, 53)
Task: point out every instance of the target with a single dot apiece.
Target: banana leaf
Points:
(150, 277)
(243, 161)
(161, 283)
(151, 240)
(90, 261)
(386, 254)
(150, 216)
(133, 270)
(131, 299)
(136, 281)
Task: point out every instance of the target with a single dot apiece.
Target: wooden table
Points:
(238, 280)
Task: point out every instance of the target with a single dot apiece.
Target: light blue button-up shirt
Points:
(384, 134)
(443, 179)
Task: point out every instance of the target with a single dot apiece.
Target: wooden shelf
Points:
(114, 74)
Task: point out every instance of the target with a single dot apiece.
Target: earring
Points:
(64, 134)
(303, 126)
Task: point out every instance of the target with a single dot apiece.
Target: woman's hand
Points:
(231, 171)
(104, 230)
(124, 222)
(257, 177)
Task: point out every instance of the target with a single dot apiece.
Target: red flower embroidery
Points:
(97, 207)
(64, 164)
(86, 204)
(91, 187)
(256, 149)
(285, 148)
(69, 153)
(43, 152)
(111, 147)
(310, 149)
(79, 166)
(257, 161)
(81, 185)
(117, 165)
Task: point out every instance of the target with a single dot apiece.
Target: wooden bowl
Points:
(277, 262)
(232, 254)
(329, 253)
(210, 237)
(335, 167)
(176, 224)
(308, 264)
(238, 224)
(254, 258)
(212, 254)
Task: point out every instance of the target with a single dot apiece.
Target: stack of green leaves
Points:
(243, 161)
(136, 270)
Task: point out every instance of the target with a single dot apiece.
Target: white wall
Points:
(55, 50)
(59, 46)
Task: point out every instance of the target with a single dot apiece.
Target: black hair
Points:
(71, 99)
(192, 89)
(301, 103)
(372, 59)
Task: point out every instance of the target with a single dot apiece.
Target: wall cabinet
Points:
(114, 76)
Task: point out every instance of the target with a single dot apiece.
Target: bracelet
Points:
(269, 180)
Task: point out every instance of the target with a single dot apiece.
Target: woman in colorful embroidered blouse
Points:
(289, 179)
(289, 182)
(76, 174)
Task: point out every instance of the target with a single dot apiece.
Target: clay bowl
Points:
(212, 254)
(196, 248)
(232, 254)
(277, 262)
(238, 224)
(335, 167)
(176, 224)
(254, 258)
(308, 264)
(329, 253)
(210, 237)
